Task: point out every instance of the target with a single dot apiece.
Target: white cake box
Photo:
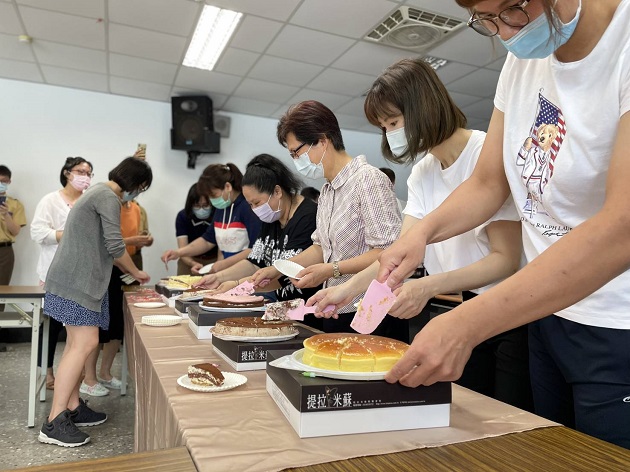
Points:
(327, 407)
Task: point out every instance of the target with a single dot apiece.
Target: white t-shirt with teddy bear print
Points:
(560, 126)
(428, 186)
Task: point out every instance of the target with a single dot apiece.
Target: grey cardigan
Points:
(82, 266)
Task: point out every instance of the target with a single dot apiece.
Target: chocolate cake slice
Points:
(205, 374)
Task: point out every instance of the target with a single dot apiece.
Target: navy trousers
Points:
(581, 377)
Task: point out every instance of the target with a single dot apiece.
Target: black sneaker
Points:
(61, 431)
(83, 415)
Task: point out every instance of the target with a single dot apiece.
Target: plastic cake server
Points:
(283, 310)
(246, 288)
(372, 309)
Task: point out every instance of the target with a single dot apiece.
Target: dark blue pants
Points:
(581, 377)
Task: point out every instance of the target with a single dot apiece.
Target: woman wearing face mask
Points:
(411, 105)
(47, 228)
(357, 214)
(288, 221)
(563, 101)
(190, 224)
(76, 292)
(234, 226)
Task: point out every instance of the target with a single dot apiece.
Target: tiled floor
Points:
(19, 444)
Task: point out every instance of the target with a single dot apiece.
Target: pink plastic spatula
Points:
(297, 312)
(376, 303)
(246, 288)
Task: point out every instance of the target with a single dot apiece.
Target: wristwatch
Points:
(336, 271)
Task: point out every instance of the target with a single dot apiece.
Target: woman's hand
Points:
(262, 277)
(194, 269)
(312, 276)
(411, 298)
(401, 259)
(339, 296)
(141, 277)
(438, 353)
(170, 255)
(225, 286)
(208, 281)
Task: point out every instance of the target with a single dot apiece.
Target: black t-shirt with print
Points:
(275, 242)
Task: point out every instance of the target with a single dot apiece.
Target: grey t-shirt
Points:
(82, 266)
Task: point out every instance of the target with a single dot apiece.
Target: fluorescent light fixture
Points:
(213, 31)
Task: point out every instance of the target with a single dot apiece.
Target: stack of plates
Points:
(161, 320)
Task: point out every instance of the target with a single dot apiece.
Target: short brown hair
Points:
(413, 87)
(215, 176)
(310, 121)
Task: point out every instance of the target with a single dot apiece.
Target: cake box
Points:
(200, 320)
(181, 306)
(168, 292)
(253, 356)
(328, 407)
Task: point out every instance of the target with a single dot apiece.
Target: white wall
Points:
(41, 125)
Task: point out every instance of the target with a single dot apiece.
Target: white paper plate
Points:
(205, 269)
(255, 339)
(149, 304)
(288, 268)
(231, 380)
(334, 374)
(231, 309)
(161, 320)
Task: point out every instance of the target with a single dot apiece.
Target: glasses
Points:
(487, 25)
(85, 173)
(294, 154)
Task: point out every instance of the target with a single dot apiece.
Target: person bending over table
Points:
(76, 292)
(420, 122)
(234, 238)
(357, 213)
(559, 141)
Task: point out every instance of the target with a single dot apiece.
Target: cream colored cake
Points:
(253, 327)
(348, 352)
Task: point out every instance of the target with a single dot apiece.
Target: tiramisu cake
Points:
(348, 352)
(278, 310)
(205, 374)
(234, 301)
(253, 327)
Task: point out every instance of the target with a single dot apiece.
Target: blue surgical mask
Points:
(537, 40)
(266, 214)
(202, 213)
(305, 167)
(219, 203)
(4, 187)
(129, 196)
(397, 141)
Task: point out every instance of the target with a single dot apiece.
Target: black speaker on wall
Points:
(193, 128)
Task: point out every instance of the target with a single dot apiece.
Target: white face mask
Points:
(305, 167)
(397, 141)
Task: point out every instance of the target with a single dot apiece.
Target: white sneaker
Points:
(96, 390)
(114, 383)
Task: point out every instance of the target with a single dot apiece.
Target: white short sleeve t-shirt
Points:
(428, 186)
(560, 127)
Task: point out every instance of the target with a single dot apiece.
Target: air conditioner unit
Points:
(414, 29)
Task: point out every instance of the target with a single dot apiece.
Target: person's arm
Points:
(471, 204)
(242, 269)
(42, 226)
(579, 263)
(341, 295)
(197, 247)
(230, 261)
(182, 241)
(503, 260)
(13, 222)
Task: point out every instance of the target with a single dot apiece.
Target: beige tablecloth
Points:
(243, 430)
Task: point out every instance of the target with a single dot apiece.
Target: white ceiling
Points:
(283, 51)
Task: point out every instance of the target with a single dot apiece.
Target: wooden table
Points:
(163, 460)
(554, 449)
(14, 295)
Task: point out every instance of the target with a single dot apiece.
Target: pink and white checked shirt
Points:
(357, 211)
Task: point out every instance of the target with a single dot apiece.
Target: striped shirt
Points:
(357, 211)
